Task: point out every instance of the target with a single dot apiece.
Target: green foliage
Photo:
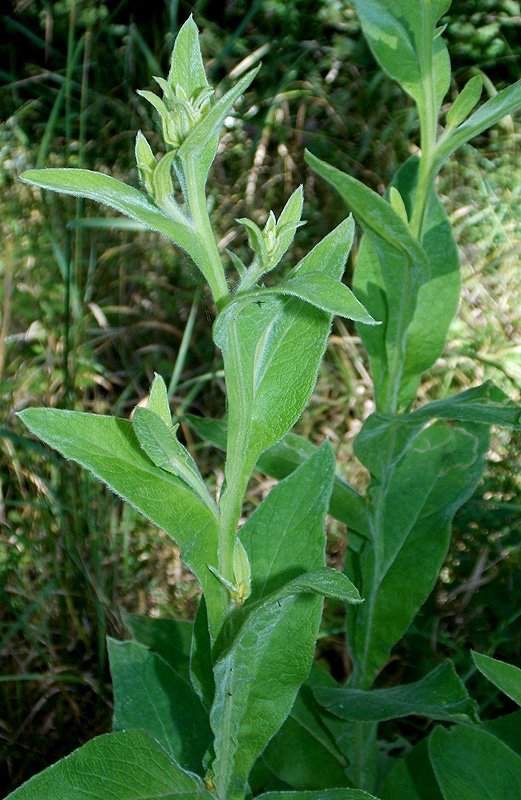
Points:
(221, 708)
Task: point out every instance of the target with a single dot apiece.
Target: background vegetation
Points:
(90, 312)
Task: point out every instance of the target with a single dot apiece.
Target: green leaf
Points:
(108, 447)
(150, 696)
(162, 447)
(505, 676)
(391, 267)
(421, 476)
(272, 351)
(304, 753)
(506, 728)
(402, 34)
(169, 638)
(201, 659)
(472, 763)
(413, 777)
(128, 765)
(186, 64)
(258, 677)
(437, 300)
(324, 794)
(505, 102)
(158, 400)
(465, 101)
(439, 695)
(328, 294)
(111, 192)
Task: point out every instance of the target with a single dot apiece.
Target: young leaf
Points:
(132, 764)
(162, 447)
(387, 281)
(505, 102)
(326, 293)
(505, 676)
(186, 64)
(465, 101)
(158, 400)
(439, 695)
(470, 762)
(108, 447)
(150, 696)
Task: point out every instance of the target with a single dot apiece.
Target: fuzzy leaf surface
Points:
(130, 765)
(169, 638)
(439, 695)
(325, 794)
(150, 696)
(108, 447)
(328, 294)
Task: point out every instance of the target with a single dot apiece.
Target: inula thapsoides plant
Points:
(232, 706)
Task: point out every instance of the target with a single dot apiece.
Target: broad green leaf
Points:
(125, 766)
(465, 101)
(506, 728)
(169, 638)
(505, 676)
(186, 64)
(472, 763)
(158, 400)
(402, 36)
(413, 777)
(160, 444)
(438, 297)
(391, 267)
(282, 458)
(272, 352)
(505, 102)
(324, 794)
(439, 695)
(328, 294)
(150, 696)
(303, 753)
(420, 478)
(111, 192)
(108, 447)
(257, 679)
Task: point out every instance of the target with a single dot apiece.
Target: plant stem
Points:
(196, 199)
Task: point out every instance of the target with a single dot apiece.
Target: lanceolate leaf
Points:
(328, 294)
(158, 400)
(423, 476)
(111, 192)
(470, 762)
(506, 677)
(186, 65)
(388, 275)
(150, 696)
(108, 447)
(130, 765)
(439, 695)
